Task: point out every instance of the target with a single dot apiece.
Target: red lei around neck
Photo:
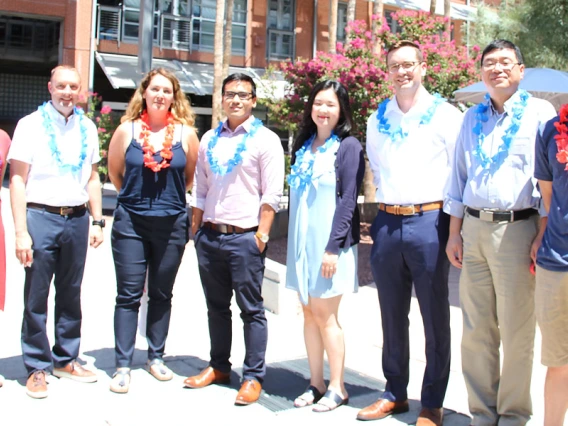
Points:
(166, 151)
(562, 136)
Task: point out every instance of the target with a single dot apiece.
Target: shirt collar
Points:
(56, 116)
(424, 102)
(507, 106)
(246, 126)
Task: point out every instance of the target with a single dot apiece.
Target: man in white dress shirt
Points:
(493, 204)
(410, 146)
(53, 174)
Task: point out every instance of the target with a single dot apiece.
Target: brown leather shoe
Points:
(430, 417)
(381, 409)
(249, 392)
(36, 386)
(207, 377)
(75, 371)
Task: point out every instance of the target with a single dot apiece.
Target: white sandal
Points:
(159, 370)
(120, 382)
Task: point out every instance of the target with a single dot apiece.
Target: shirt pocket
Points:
(520, 152)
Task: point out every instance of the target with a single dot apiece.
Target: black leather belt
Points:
(63, 211)
(228, 229)
(501, 216)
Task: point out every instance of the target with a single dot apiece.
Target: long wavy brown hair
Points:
(180, 108)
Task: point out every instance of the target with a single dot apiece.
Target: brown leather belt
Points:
(411, 209)
(227, 229)
(63, 211)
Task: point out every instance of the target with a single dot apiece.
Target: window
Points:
(281, 39)
(32, 39)
(341, 21)
(392, 23)
(204, 12)
(181, 24)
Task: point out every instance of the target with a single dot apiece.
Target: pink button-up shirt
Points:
(235, 198)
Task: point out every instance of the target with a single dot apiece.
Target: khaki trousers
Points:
(497, 300)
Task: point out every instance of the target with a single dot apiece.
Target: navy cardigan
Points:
(349, 172)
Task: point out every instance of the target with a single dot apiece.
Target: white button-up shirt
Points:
(511, 186)
(47, 183)
(415, 169)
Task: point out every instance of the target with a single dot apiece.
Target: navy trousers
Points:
(227, 263)
(59, 249)
(152, 246)
(406, 250)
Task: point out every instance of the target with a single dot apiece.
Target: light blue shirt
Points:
(509, 183)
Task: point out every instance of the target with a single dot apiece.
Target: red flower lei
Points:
(166, 151)
(562, 136)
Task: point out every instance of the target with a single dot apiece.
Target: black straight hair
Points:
(308, 127)
(502, 44)
(239, 76)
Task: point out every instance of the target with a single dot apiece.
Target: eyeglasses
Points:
(243, 96)
(505, 65)
(406, 66)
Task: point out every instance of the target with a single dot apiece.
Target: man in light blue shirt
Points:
(493, 204)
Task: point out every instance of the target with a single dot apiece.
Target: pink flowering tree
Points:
(102, 117)
(364, 74)
(450, 67)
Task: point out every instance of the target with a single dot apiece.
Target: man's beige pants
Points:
(497, 300)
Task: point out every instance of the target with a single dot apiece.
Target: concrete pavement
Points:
(150, 402)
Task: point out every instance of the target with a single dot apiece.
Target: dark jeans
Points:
(151, 246)
(227, 263)
(59, 248)
(406, 250)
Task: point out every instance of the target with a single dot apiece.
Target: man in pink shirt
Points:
(238, 183)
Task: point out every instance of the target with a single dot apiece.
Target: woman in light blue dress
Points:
(323, 232)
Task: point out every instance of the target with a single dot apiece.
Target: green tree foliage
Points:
(538, 27)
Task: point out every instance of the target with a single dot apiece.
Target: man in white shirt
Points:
(493, 204)
(53, 174)
(410, 146)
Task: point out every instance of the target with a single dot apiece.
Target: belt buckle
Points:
(409, 214)
(222, 228)
(65, 211)
(486, 215)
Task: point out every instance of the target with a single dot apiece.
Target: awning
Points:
(457, 11)
(194, 77)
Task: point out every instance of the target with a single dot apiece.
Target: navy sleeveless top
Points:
(147, 193)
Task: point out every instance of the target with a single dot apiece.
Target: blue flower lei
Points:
(303, 169)
(517, 112)
(398, 134)
(50, 131)
(237, 158)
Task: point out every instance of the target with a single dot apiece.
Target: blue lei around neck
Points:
(302, 171)
(516, 115)
(50, 131)
(398, 134)
(237, 158)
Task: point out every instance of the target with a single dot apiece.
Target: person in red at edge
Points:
(4, 146)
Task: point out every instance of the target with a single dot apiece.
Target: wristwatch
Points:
(101, 223)
(262, 237)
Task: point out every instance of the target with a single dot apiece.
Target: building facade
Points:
(100, 38)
